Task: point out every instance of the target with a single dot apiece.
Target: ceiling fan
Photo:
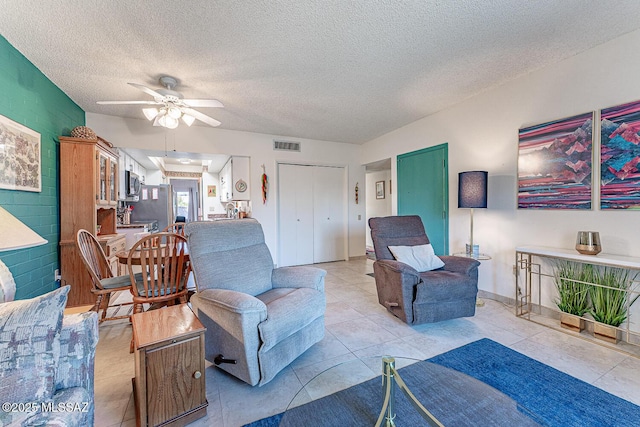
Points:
(171, 106)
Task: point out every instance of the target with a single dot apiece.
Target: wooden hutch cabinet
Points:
(88, 200)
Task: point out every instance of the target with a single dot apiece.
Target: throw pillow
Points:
(30, 347)
(421, 257)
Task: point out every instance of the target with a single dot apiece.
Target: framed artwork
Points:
(555, 164)
(380, 190)
(620, 157)
(20, 164)
(211, 190)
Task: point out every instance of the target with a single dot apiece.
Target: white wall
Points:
(140, 134)
(211, 205)
(376, 207)
(482, 134)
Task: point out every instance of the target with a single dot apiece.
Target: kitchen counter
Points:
(133, 232)
(141, 225)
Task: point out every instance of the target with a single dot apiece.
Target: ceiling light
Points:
(150, 113)
(174, 113)
(184, 161)
(170, 122)
(188, 120)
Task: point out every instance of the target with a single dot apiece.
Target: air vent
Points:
(286, 146)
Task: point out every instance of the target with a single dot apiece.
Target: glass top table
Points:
(450, 397)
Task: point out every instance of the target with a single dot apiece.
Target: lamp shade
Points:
(472, 189)
(15, 235)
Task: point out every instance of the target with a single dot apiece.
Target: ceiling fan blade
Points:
(147, 90)
(129, 102)
(203, 103)
(202, 117)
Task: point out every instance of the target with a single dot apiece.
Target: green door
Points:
(423, 189)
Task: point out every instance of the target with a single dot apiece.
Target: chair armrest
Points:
(233, 301)
(298, 277)
(78, 341)
(460, 264)
(395, 283)
(391, 265)
(232, 320)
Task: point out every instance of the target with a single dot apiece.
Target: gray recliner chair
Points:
(258, 319)
(446, 293)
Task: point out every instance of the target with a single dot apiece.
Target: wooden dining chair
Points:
(164, 270)
(177, 228)
(104, 283)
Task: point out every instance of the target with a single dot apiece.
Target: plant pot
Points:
(606, 332)
(571, 322)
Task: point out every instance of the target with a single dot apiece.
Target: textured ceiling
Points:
(345, 71)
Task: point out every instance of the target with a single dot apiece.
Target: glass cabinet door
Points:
(102, 179)
(113, 181)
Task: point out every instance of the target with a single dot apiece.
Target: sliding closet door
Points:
(311, 214)
(328, 214)
(295, 195)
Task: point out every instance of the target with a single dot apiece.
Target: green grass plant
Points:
(573, 295)
(610, 303)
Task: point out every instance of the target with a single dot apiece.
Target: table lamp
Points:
(472, 193)
(13, 235)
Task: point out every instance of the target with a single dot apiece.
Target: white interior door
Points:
(328, 214)
(295, 196)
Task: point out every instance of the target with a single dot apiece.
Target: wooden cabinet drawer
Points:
(113, 246)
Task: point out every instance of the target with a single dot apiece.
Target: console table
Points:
(532, 281)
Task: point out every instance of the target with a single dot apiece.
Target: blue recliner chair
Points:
(258, 319)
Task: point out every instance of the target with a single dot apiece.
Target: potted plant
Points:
(573, 292)
(610, 301)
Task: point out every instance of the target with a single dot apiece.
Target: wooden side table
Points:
(169, 386)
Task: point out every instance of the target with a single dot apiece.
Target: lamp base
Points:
(7, 284)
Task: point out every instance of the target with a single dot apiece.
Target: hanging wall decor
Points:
(555, 164)
(20, 167)
(265, 185)
(356, 193)
(620, 157)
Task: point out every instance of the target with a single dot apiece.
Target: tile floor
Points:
(358, 327)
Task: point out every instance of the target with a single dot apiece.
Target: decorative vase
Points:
(606, 332)
(571, 322)
(588, 242)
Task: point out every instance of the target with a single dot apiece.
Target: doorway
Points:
(377, 195)
(186, 196)
(423, 190)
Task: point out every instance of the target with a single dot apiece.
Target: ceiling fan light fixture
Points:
(170, 122)
(174, 112)
(188, 120)
(150, 113)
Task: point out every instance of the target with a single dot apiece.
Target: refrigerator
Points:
(155, 203)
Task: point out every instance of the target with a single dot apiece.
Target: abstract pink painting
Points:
(620, 156)
(555, 164)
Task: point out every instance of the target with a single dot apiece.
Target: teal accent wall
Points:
(28, 97)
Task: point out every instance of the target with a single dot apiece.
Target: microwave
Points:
(132, 184)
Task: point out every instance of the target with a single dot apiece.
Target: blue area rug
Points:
(541, 395)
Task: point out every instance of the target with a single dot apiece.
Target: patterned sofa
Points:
(46, 362)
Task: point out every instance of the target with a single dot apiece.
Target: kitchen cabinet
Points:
(107, 178)
(235, 180)
(112, 244)
(127, 163)
(88, 200)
